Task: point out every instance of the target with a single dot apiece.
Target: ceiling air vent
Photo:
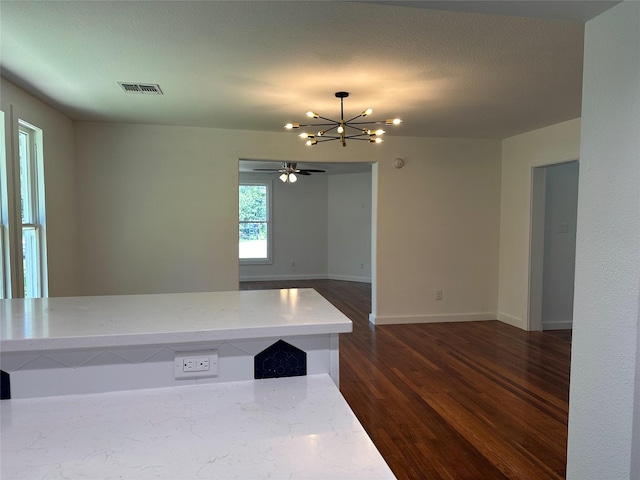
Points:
(144, 88)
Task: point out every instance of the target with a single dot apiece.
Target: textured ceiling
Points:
(258, 65)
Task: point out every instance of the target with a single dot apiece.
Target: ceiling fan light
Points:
(292, 178)
(283, 177)
(289, 126)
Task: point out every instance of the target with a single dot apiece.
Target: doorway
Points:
(553, 245)
(321, 223)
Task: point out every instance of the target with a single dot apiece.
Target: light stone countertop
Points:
(286, 428)
(123, 320)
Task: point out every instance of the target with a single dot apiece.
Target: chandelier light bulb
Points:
(393, 121)
(368, 111)
(340, 129)
(306, 135)
(311, 142)
(375, 140)
(289, 126)
(312, 115)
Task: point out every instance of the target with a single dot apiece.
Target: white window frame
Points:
(35, 222)
(20, 136)
(5, 272)
(269, 259)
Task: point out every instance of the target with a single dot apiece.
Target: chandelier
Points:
(343, 129)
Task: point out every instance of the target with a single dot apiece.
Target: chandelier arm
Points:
(332, 125)
(352, 119)
(332, 128)
(372, 122)
(327, 136)
(355, 128)
(356, 137)
(329, 120)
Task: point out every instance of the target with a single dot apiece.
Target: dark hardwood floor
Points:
(474, 400)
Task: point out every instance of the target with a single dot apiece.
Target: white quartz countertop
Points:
(120, 320)
(285, 428)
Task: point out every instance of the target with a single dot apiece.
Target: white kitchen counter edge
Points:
(135, 320)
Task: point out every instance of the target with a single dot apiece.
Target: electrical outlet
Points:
(195, 364)
(438, 294)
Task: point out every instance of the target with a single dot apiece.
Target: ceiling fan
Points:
(288, 171)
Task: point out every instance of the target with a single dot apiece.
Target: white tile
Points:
(139, 354)
(73, 358)
(43, 383)
(12, 361)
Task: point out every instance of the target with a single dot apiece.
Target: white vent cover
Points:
(144, 88)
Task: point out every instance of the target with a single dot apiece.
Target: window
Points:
(254, 222)
(22, 232)
(4, 215)
(32, 211)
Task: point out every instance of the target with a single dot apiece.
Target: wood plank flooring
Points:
(475, 400)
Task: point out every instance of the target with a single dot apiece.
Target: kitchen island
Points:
(67, 345)
(96, 390)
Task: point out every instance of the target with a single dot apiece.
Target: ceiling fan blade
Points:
(302, 172)
(266, 170)
(311, 170)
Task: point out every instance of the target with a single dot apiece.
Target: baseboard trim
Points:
(274, 278)
(446, 318)
(509, 320)
(350, 278)
(557, 326)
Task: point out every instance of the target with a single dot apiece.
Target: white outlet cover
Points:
(179, 359)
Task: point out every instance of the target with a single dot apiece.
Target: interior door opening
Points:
(553, 244)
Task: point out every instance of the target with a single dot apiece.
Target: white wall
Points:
(604, 404)
(561, 204)
(350, 227)
(546, 146)
(159, 211)
(157, 206)
(60, 185)
(299, 222)
(437, 228)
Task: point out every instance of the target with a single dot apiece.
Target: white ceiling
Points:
(258, 65)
